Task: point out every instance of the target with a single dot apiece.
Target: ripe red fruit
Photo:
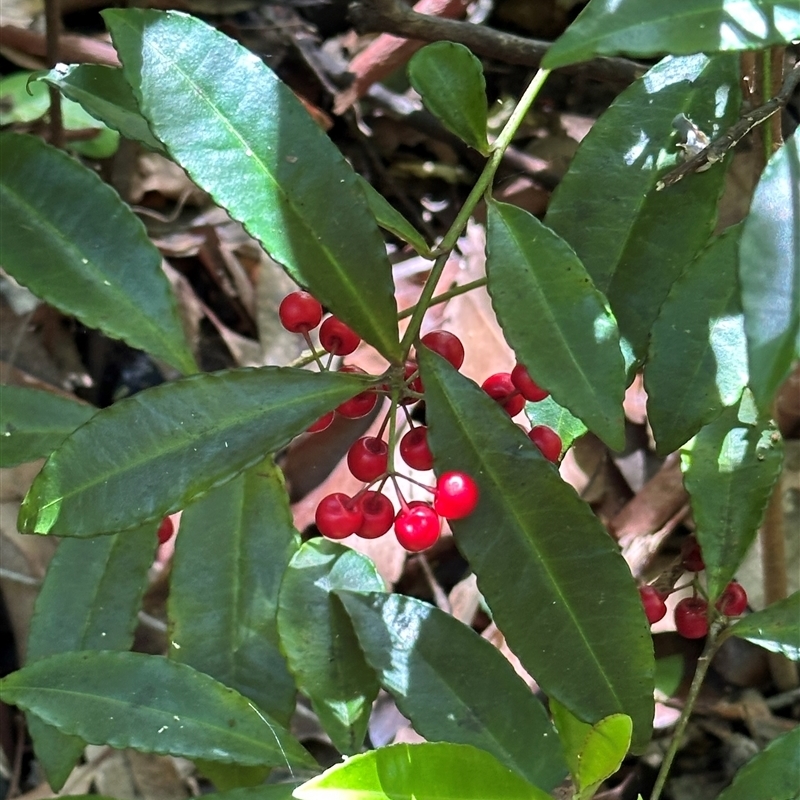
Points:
(692, 555)
(337, 516)
(165, 530)
(548, 442)
(417, 527)
(338, 338)
(456, 495)
(299, 312)
(526, 386)
(323, 422)
(691, 620)
(447, 345)
(378, 514)
(368, 458)
(733, 601)
(500, 388)
(362, 403)
(653, 601)
(414, 448)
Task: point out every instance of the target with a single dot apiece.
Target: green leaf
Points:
(224, 610)
(773, 774)
(420, 772)
(106, 95)
(69, 238)
(33, 423)
(226, 777)
(669, 674)
(633, 240)
(320, 643)
(559, 325)
(246, 139)
(455, 686)
(544, 563)
(548, 412)
(775, 628)
(769, 272)
(698, 355)
(450, 81)
(276, 791)
(155, 452)
(680, 27)
(151, 704)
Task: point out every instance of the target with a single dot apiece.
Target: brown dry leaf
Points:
(465, 599)
(155, 173)
(493, 634)
(129, 775)
(635, 402)
(407, 735)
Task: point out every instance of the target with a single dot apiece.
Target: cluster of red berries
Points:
(692, 613)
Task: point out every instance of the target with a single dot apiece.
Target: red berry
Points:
(378, 514)
(362, 403)
(338, 338)
(456, 495)
(414, 448)
(323, 422)
(548, 442)
(417, 527)
(447, 345)
(165, 530)
(368, 458)
(337, 516)
(733, 601)
(691, 620)
(653, 601)
(692, 555)
(299, 312)
(526, 386)
(500, 388)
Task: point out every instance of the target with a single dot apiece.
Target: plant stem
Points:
(448, 295)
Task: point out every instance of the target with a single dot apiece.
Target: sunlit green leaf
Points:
(776, 628)
(548, 412)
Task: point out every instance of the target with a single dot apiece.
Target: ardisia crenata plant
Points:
(625, 274)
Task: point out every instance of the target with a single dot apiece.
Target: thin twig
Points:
(52, 11)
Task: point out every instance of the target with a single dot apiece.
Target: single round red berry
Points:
(692, 555)
(733, 601)
(165, 530)
(368, 458)
(500, 388)
(338, 338)
(414, 448)
(299, 312)
(447, 345)
(378, 514)
(337, 516)
(548, 442)
(417, 527)
(691, 617)
(526, 386)
(456, 495)
(362, 403)
(653, 601)
(323, 422)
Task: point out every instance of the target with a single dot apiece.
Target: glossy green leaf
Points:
(559, 325)
(698, 354)
(433, 771)
(773, 774)
(106, 95)
(155, 452)
(547, 568)
(633, 240)
(680, 27)
(227, 777)
(450, 81)
(729, 470)
(89, 600)
(246, 139)
(33, 423)
(455, 686)
(320, 643)
(769, 273)
(151, 704)
(69, 238)
(548, 412)
(669, 674)
(776, 628)
(276, 791)
(224, 610)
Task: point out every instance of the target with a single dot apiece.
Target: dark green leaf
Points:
(680, 27)
(698, 355)
(450, 81)
(277, 791)
(151, 704)
(669, 674)
(246, 139)
(33, 423)
(633, 240)
(455, 686)
(69, 238)
(319, 641)
(226, 777)
(548, 412)
(544, 563)
(155, 452)
(775, 628)
(559, 325)
(769, 272)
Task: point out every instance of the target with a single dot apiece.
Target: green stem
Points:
(766, 92)
(448, 295)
